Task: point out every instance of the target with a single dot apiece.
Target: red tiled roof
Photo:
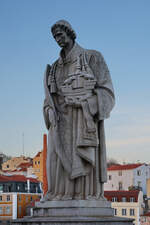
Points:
(124, 167)
(146, 214)
(22, 169)
(25, 165)
(17, 178)
(119, 194)
(18, 170)
(38, 154)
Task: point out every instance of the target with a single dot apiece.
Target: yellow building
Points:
(127, 203)
(13, 205)
(14, 162)
(148, 192)
(38, 166)
(16, 192)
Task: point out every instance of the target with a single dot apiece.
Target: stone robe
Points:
(76, 159)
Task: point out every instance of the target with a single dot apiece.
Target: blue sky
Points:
(120, 30)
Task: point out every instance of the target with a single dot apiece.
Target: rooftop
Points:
(38, 154)
(25, 165)
(146, 214)
(120, 194)
(16, 178)
(124, 167)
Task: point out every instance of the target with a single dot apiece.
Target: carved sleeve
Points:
(104, 87)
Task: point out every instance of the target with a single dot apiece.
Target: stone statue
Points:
(78, 97)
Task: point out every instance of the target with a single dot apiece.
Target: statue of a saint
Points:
(78, 97)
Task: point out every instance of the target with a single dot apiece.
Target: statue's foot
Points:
(78, 197)
(47, 197)
(57, 198)
(90, 197)
(66, 197)
(101, 197)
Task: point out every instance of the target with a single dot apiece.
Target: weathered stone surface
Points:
(75, 213)
(78, 97)
(73, 208)
(74, 221)
(74, 203)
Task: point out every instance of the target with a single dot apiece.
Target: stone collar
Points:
(71, 56)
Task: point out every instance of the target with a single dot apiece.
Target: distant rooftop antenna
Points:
(23, 143)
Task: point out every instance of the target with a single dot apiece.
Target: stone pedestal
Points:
(73, 212)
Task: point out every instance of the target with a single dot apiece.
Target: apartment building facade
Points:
(127, 204)
(125, 177)
(16, 192)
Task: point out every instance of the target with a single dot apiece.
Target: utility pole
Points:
(23, 143)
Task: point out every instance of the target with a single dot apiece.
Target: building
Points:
(13, 163)
(39, 164)
(19, 183)
(148, 194)
(21, 169)
(128, 176)
(145, 219)
(126, 203)
(13, 204)
(16, 192)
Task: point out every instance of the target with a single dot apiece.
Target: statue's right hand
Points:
(52, 118)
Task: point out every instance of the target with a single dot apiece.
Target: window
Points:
(120, 173)
(25, 187)
(114, 199)
(124, 199)
(26, 198)
(8, 198)
(1, 198)
(1, 210)
(38, 162)
(143, 219)
(131, 212)
(124, 212)
(18, 187)
(7, 166)
(1, 188)
(109, 177)
(115, 212)
(139, 172)
(7, 210)
(19, 209)
(35, 162)
(139, 183)
(132, 199)
(120, 185)
(19, 198)
(31, 198)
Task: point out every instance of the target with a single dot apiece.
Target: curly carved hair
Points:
(65, 26)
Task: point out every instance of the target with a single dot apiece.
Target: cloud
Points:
(128, 142)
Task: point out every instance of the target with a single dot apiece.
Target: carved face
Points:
(61, 37)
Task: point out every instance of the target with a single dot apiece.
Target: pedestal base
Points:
(74, 221)
(73, 212)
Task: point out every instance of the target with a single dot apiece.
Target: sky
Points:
(119, 29)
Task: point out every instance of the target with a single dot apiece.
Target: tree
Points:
(111, 162)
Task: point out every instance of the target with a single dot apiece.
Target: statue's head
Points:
(63, 32)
